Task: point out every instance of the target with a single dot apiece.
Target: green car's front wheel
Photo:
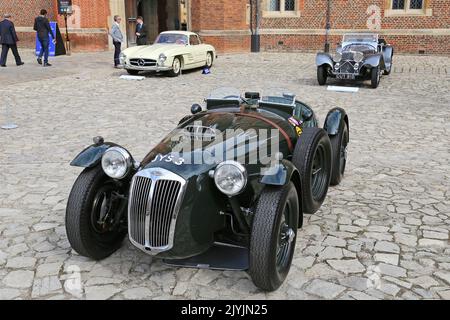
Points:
(92, 214)
(273, 236)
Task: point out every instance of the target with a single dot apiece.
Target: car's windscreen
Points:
(172, 38)
(359, 47)
(354, 38)
(225, 93)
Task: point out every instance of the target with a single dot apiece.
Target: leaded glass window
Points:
(398, 4)
(289, 5)
(274, 5)
(416, 4)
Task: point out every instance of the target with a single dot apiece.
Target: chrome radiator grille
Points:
(161, 211)
(155, 199)
(143, 62)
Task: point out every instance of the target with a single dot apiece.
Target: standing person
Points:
(117, 37)
(8, 40)
(141, 32)
(42, 27)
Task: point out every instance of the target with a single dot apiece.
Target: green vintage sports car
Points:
(226, 189)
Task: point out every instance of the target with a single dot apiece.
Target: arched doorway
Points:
(159, 16)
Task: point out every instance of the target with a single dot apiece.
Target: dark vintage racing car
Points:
(360, 56)
(226, 189)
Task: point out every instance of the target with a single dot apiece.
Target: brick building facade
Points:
(413, 26)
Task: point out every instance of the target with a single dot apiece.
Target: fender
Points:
(388, 53)
(335, 120)
(324, 58)
(92, 155)
(287, 172)
(374, 60)
(282, 174)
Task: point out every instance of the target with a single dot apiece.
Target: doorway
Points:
(159, 16)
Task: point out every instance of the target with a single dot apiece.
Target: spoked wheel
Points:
(339, 145)
(176, 67)
(95, 214)
(319, 175)
(285, 238)
(312, 157)
(273, 236)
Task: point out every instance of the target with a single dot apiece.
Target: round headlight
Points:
(116, 162)
(337, 57)
(230, 177)
(162, 58)
(358, 56)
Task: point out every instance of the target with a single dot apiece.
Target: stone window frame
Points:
(266, 13)
(390, 12)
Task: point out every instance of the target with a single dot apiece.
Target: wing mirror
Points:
(196, 108)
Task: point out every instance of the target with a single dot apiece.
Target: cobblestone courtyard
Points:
(383, 233)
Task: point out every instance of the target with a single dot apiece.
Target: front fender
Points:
(335, 120)
(92, 155)
(281, 175)
(374, 60)
(324, 58)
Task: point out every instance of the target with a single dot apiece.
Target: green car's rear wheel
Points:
(312, 157)
(273, 236)
(92, 212)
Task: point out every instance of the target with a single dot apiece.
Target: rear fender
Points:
(335, 120)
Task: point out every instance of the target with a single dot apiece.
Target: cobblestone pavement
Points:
(382, 234)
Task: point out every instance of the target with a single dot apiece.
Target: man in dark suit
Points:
(43, 29)
(141, 32)
(8, 40)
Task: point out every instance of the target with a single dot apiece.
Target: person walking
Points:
(43, 29)
(141, 32)
(8, 40)
(117, 37)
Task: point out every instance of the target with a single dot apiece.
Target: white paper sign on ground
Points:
(342, 89)
(136, 78)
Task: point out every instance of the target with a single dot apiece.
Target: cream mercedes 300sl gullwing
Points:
(172, 51)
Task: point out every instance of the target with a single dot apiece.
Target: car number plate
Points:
(345, 76)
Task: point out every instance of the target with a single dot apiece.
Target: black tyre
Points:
(176, 67)
(90, 214)
(209, 60)
(273, 236)
(322, 75)
(133, 72)
(312, 157)
(339, 145)
(375, 77)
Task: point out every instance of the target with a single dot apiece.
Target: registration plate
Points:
(345, 76)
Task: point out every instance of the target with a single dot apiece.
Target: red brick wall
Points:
(223, 24)
(24, 11)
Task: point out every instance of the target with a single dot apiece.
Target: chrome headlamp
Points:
(230, 177)
(337, 57)
(122, 58)
(116, 162)
(162, 58)
(358, 56)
